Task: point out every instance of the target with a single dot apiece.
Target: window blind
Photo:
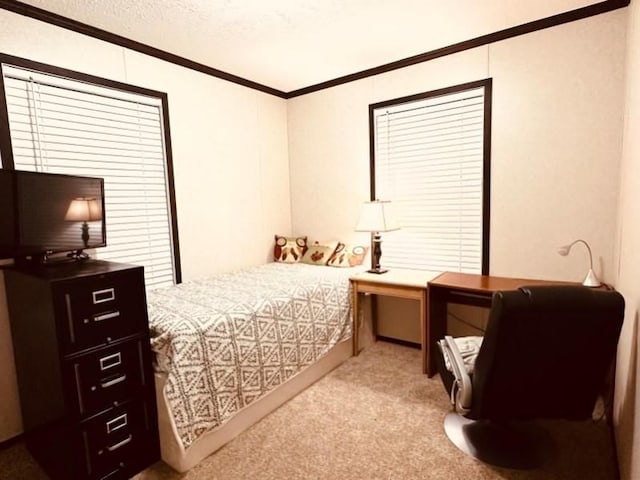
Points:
(428, 160)
(59, 125)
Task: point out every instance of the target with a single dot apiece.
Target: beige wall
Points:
(229, 154)
(556, 145)
(627, 403)
(10, 417)
(557, 120)
(229, 144)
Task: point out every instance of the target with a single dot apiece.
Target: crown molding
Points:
(552, 21)
(83, 28)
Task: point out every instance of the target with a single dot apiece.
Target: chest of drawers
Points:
(83, 361)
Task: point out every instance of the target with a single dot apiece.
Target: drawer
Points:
(117, 440)
(98, 310)
(109, 376)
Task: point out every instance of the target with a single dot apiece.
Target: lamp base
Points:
(521, 446)
(377, 270)
(591, 280)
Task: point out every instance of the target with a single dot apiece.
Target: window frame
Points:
(6, 149)
(487, 84)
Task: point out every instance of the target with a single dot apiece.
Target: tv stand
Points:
(84, 368)
(46, 260)
(78, 255)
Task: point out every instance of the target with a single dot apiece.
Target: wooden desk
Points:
(411, 284)
(467, 289)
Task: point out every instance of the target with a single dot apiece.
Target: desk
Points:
(402, 283)
(467, 289)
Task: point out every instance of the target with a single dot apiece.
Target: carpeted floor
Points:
(374, 417)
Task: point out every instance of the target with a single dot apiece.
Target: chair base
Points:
(502, 445)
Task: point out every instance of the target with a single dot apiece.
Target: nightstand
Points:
(402, 283)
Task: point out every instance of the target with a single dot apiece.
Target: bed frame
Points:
(182, 459)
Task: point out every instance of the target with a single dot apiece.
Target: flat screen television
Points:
(46, 213)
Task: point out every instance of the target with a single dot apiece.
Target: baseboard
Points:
(399, 341)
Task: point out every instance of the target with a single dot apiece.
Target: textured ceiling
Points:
(291, 44)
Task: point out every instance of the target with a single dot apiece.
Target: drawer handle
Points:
(115, 381)
(72, 333)
(114, 473)
(116, 423)
(110, 361)
(101, 296)
(106, 316)
(116, 446)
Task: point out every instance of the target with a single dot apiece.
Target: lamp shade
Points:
(377, 216)
(84, 210)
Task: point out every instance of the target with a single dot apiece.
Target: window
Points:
(61, 124)
(430, 155)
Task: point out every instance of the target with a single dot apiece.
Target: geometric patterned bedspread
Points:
(226, 341)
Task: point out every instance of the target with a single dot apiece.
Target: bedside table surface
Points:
(396, 282)
(398, 276)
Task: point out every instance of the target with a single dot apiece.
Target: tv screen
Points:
(44, 213)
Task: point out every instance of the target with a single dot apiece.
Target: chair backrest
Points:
(546, 352)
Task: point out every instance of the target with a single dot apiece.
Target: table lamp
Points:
(375, 217)
(84, 210)
(590, 280)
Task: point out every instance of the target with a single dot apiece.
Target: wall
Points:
(627, 403)
(557, 103)
(556, 145)
(229, 153)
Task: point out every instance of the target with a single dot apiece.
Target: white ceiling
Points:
(291, 44)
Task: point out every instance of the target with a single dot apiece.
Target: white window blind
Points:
(59, 125)
(428, 160)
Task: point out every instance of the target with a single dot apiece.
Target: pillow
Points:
(289, 249)
(348, 255)
(319, 253)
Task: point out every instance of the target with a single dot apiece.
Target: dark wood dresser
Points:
(83, 361)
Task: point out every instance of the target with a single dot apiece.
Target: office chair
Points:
(545, 354)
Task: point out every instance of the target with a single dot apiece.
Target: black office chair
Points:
(545, 354)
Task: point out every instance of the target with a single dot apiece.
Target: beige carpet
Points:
(374, 417)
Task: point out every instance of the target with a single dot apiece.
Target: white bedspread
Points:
(228, 340)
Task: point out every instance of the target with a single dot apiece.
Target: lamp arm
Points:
(588, 250)
(590, 280)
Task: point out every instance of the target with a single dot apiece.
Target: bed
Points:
(232, 348)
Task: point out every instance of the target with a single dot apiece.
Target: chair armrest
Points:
(463, 381)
